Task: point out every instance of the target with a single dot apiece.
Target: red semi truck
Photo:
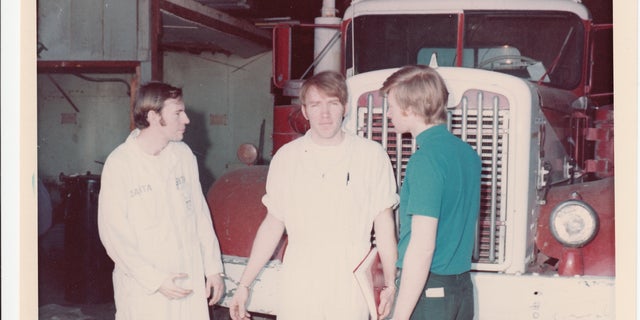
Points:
(531, 89)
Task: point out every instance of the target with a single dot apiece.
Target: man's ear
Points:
(152, 117)
(408, 111)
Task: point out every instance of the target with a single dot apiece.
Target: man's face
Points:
(399, 117)
(325, 116)
(173, 120)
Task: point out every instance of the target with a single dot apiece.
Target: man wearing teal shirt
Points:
(439, 202)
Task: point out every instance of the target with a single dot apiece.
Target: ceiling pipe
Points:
(326, 50)
(328, 8)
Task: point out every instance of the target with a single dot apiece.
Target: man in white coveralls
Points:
(153, 219)
(328, 189)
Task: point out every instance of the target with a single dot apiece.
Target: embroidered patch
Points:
(180, 181)
(139, 190)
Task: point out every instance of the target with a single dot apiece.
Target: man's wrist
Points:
(242, 284)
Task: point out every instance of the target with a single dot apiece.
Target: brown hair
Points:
(332, 83)
(151, 97)
(420, 88)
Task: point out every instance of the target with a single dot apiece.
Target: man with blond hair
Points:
(439, 202)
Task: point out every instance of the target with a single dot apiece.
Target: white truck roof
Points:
(364, 7)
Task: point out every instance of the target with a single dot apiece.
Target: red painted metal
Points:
(578, 124)
(288, 124)
(235, 202)
(602, 135)
(343, 45)
(460, 40)
(598, 256)
(154, 41)
(281, 67)
(572, 262)
(88, 66)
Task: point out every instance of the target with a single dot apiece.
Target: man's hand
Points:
(215, 283)
(237, 307)
(387, 297)
(172, 291)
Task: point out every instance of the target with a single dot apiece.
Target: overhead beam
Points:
(218, 20)
(156, 61)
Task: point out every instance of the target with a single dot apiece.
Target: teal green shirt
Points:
(442, 180)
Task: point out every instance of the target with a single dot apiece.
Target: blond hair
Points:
(421, 89)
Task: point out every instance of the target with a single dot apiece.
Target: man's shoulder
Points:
(180, 147)
(291, 146)
(369, 145)
(121, 151)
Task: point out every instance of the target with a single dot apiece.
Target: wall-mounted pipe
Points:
(125, 82)
(64, 94)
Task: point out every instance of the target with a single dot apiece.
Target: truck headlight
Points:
(574, 223)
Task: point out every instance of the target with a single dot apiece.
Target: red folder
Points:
(371, 280)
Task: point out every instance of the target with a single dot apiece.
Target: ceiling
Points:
(240, 27)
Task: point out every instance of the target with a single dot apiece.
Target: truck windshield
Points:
(537, 46)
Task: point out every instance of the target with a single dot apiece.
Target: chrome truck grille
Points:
(482, 120)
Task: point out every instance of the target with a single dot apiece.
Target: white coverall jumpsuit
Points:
(153, 222)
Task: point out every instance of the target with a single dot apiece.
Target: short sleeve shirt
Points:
(442, 181)
(328, 198)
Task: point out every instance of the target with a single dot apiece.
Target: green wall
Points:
(227, 99)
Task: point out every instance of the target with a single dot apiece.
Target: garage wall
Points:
(227, 99)
(73, 142)
(93, 30)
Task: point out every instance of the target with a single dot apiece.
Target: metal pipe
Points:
(479, 124)
(369, 116)
(328, 8)
(494, 176)
(321, 53)
(414, 145)
(385, 123)
(465, 115)
(398, 159)
(325, 38)
(464, 137)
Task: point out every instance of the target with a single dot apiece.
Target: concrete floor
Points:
(57, 302)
